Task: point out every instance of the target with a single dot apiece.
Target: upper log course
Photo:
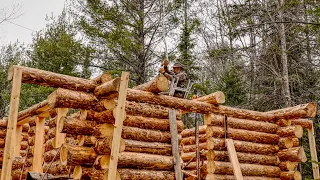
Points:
(129, 174)
(243, 135)
(213, 98)
(299, 111)
(50, 79)
(158, 84)
(104, 77)
(108, 87)
(236, 123)
(305, 123)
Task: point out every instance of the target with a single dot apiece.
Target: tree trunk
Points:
(290, 175)
(148, 147)
(159, 84)
(305, 123)
(288, 165)
(145, 135)
(108, 87)
(46, 78)
(103, 146)
(299, 111)
(128, 174)
(218, 120)
(77, 155)
(145, 161)
(243, 135)
(214, 98)
(77, 127)
(295, 154)
(290, 131)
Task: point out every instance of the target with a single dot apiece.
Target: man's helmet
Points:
(177, 65)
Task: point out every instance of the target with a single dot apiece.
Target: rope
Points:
(51, 163)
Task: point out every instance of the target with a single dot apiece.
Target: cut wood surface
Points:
(290, 131)
(236, 123)
(148, 147)
(145, 135)
(290, 175)
(241, 146)
(50, 79)
(104, 77)
(158, 84)
(285, 143)
(299, 111)
(295, 154)
(213, 98)
(246, 169)
(305, 123)
(243, 135)
(76, 126)
(288, 165)
(77, 155)
(103, 146)
(108, 87)
(242, 157)
(129, 174)
(145, 161)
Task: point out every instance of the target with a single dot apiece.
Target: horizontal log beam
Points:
(305, 123)
(148, 147)
(129, 174)
(299, 111)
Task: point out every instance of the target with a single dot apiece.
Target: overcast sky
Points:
(32, 18)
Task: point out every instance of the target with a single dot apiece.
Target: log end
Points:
(162, 83)
(52, 98)
(109, 104)
(312, 109)
(104, 162)
(302, 155)
(288, 143)
(105, 77)
(77, 172)
(10, 72)
(297, 175)
(64, 155)
(220, 97)
(298, 131)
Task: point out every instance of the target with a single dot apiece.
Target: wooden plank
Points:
(12, 125)
(60, 137)
(175, 144)
(120, 116)
(234, 159)
(313, 151)
(38, 146)
(18, 141)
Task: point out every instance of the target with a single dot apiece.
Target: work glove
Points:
(161, 70)
(165, 63)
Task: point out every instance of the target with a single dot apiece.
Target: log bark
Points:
(129, 174)
(214, 98)
(52, 133)
(283, 122)
(191, 139)
(145, 161)
(148, 147)
(236, 123)
(145, 135)
(290, 175)
(25, 127)
(243, 135)
(15, 174)
(46, 78)
(52, 122)
(33, 110)
(246, 169)
(159, 84)
(242, 157)
(17, 163)
(231, 177)
(32, 131)
(103, 146)
(24, 145)
(56, 168)
(76, 127)
(305, 123)
(299, 111)
(50, 155)
(288, 165)
(64, 98)
(102, 162)
(240, 146)
(105, 77)
(49, 145)
(2, 142)
(77, 155)
(296, 154)
(290, 131)
(295, 142)
(285, 143)
(3, 122)
(107, 87)
(3, 132)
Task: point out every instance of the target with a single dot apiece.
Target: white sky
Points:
(32, 16)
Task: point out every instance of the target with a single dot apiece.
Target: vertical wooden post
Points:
(12, 125)
(18, 141)
(60, 137)
(234, 159)
(175, 144)
(38, 146)
(313, 151)
(120, 116)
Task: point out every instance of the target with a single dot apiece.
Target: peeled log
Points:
(242, 157)
(305, 123)
(77, 155)
(214, 98)
(288, 165)
(107, 87)
(63, 98)
(148, 147)
(103, 146)
(159, 84)
(145, 135)
(76, 127)
(129, 174)
(243, 135)
(46, 78)
(218, 120)
(145, 161)
(299, 111)
(290, 175)
(290, 131)
(295, 154)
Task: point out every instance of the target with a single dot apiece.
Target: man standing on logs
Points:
(175, 76)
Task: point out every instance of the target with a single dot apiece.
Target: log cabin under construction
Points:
(101, 129)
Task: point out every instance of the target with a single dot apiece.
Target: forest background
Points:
(263, 54)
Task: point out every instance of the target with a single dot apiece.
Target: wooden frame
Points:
(38, 146)
(120, 116)
(60, 137)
